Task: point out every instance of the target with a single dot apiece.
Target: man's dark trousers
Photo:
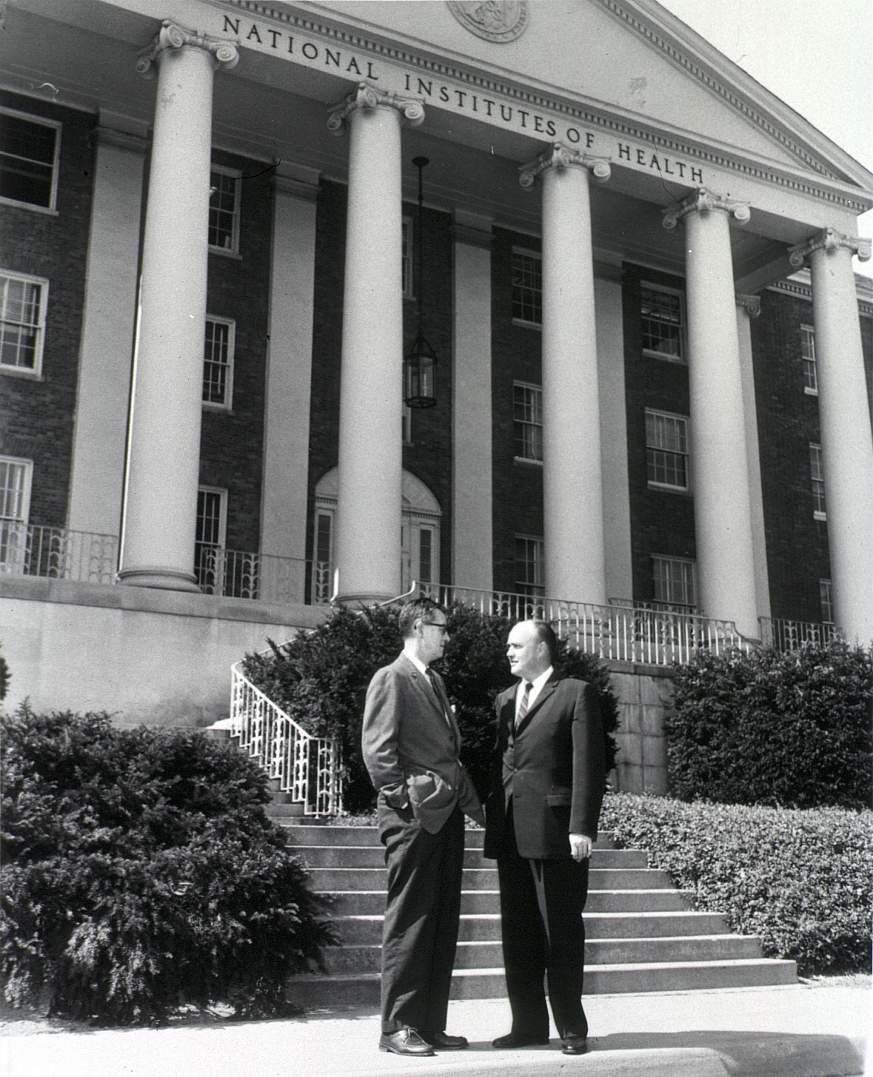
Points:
(541, 903)
(422, 912)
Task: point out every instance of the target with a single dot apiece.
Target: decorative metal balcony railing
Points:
(786, 635)
(245, 574)
(307, 768)
(56, 553)
(615, 633)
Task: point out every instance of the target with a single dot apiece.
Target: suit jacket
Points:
(410, 748)
(553, 766)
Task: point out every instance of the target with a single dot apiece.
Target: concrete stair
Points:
(641, 934)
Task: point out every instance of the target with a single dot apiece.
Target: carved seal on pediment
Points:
(495, 20)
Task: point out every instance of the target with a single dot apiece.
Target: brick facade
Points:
(37, 414)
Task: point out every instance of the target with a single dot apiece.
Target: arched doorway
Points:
(419, 528)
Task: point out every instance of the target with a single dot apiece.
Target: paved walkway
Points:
(796, 1031)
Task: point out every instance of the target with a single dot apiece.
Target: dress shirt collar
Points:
(417, 662)
(537, 686)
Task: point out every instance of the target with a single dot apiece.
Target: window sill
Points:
(810, 392)
(224, 409)
(522, 324)
(225, 253)
(24, 375)
(527, 461)
(31, 207)
(664, 488)
(677, 360)
(819, 515)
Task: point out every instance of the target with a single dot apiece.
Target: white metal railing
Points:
(306, 767)
(56, 553)
(615, 633)
(247, 574)
(785, 635)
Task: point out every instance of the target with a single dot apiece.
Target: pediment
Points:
(626, 61)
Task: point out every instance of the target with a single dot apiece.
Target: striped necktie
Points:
(525, 701)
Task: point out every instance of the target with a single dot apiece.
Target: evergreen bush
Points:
(140, 874)
(789, 729)
(320, 679)
(4, 677)
(802, 880)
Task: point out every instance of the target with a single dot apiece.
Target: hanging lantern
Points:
(420, 361)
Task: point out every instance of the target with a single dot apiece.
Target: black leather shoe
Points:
(519, 1039)
(574, 1045)
(443, 1042)
(405, 1041)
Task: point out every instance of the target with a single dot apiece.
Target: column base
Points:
(167, 579)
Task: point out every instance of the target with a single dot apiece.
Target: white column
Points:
(719, 463)
(164, 441)
(107, 327)
(613, 433)
(289, 373)
(472, 483)
(749, 307)
(846, 444)
(572, 480)
(370, 451)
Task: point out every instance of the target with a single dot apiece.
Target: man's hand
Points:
(580, 846)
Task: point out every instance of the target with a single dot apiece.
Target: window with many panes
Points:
(218, 362)
(666, 450)
(406, 252)
(673, 581)
(15, 480)
(29, 150)
(22, 322)
(527, 421)
(661, 322)
(825, 601)
(209, 538)
(807, 358)
(529, 566)
(224, 209)
(527, 287)
(816, 480)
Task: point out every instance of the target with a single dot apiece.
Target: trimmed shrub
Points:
(769, 728)
(4, 677)
(802, 880)
(320, 679)
(140, 873)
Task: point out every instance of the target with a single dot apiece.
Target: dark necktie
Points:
(435, 684)
(525, 701)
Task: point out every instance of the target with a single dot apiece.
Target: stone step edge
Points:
(629, 967)
(659, 940)
(653, 914)
(591, 890)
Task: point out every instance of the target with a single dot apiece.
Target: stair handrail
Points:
(308, 768)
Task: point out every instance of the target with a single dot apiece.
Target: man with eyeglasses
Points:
(410, 744)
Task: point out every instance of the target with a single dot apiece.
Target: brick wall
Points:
(231, 443)
(36, 416)
(797, 544)
(516, 352)
(662, 522)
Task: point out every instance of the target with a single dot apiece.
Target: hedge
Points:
(141, 873)
(788, 729)
(320, 679)
(802, 880)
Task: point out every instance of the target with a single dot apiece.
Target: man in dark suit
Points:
(548, 783)
(410, 744)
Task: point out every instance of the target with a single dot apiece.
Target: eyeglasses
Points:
(437, 624)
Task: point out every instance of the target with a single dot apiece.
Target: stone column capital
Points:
(173, 36)
(751, 304)
(705, 201)
(560, 156)
(367, 97)
(829, 240)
